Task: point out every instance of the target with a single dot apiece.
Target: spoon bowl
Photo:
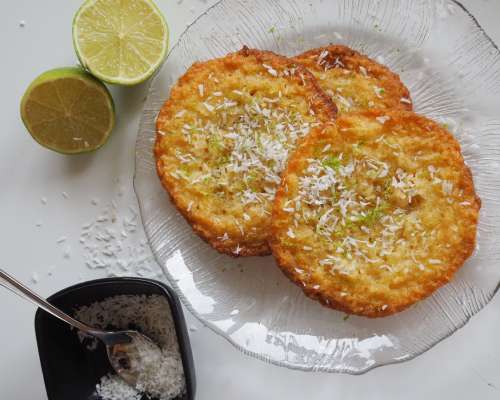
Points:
(131, 359)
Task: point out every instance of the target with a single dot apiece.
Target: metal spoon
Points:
(129, 352)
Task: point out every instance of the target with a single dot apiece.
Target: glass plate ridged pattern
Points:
(452, 69)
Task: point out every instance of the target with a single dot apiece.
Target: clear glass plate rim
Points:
(220, 332)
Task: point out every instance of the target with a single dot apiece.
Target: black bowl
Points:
(70, 371)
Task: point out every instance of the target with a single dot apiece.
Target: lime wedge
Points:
(120, 41)
(68, 110)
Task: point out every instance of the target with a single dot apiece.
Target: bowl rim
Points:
(219, 331)
(177, 316)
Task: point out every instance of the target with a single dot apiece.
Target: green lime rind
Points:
(71, 73)
(119, 81)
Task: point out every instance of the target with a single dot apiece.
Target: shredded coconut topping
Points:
(383, 119)
(270, 69)
(327, 64)
(252, 140)
(360, 208)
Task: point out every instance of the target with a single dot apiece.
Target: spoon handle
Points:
(18, 288)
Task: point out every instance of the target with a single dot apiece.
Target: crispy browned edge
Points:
(352, 58)
(285, 260)
(321, 103)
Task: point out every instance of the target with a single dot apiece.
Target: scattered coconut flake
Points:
(384, 307)
(208, 106)
(322, 56)
(224, 237)
(447, 187)
(238, 249)
(405, 100)
(50, 270)
(270, 69)
(62, 239)
(114, 242)
(102, 218)
(43, 200)
(67, 252)
(383, 119)
(121, 191)
(35, 278)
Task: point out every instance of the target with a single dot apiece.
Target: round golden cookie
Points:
(223, 139)
(376, 215)
(354, 81)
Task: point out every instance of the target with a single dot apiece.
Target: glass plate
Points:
(453, 71)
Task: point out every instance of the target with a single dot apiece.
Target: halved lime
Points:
(120, 41)
(68, 110)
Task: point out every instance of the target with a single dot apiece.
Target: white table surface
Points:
(465, 365)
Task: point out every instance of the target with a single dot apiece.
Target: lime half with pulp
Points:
(120, 41)
(68, 110)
